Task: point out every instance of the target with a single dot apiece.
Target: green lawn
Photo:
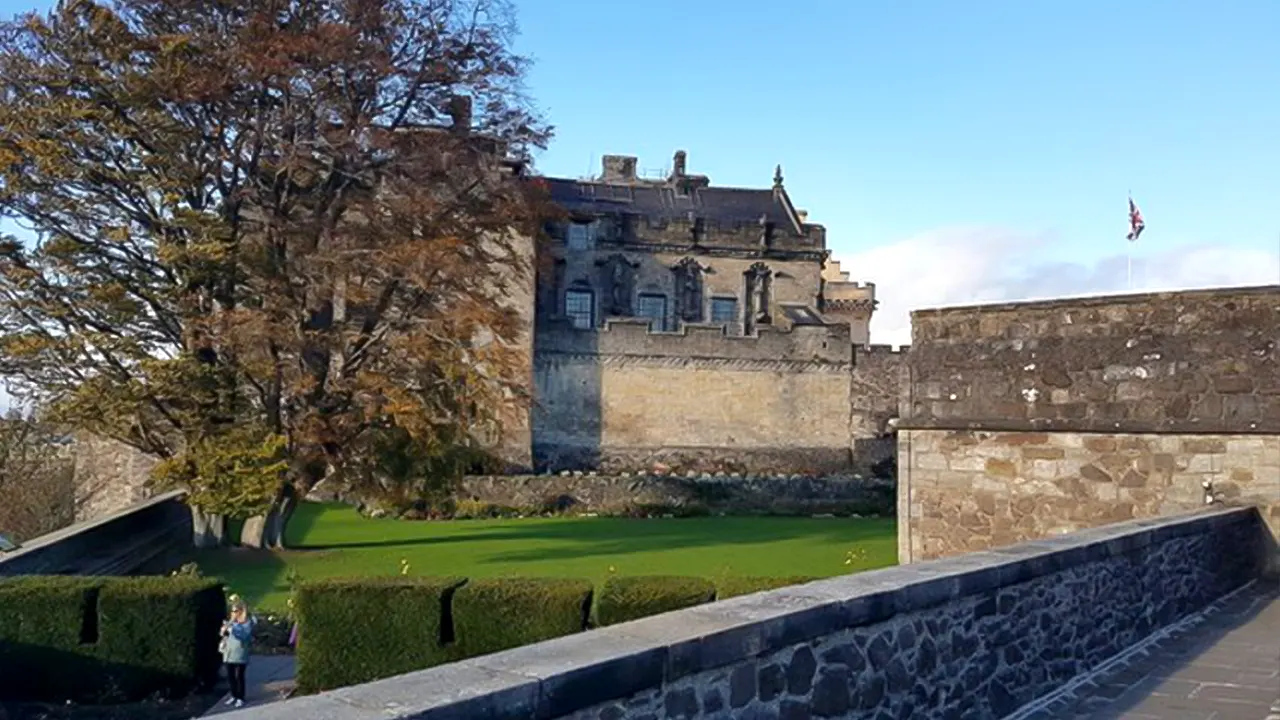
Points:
(334, 540)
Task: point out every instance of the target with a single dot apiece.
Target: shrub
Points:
(362, 629)
(158, 632)
(494, 615)
(42, 622)
(106, 639)
(734, 586)
(630, 598)
(469, 509)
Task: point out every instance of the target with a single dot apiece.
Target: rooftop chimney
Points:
(460, 112)
(678, 166)
(618, 169)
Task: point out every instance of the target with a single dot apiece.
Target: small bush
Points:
(271, 635)
(630, 598)
(494, 615)
(468, 509)
(735, 586)
(362, 629)
(106, 639)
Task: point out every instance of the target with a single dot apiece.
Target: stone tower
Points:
(848, 302)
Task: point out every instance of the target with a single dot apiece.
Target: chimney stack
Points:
(460, 112)
(619, 169)
(678, 166)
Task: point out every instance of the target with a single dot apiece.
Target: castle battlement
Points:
(802, 343)
(852, 285)
(881, 349)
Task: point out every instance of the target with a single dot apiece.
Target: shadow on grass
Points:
(576, 537)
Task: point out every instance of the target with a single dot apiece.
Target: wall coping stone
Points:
(48, 539)
(1085, 301)
(560, 676)
(1125, 427)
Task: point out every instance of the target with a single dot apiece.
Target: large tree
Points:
(274, 240)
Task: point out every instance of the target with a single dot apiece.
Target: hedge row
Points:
(88, 639)
(362, 629)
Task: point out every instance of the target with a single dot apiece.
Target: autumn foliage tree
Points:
(274, 240)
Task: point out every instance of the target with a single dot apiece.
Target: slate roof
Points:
(801, 314)
(722, 206)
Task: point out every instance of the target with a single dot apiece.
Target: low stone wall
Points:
(975, 636)
(728, 493)
(964, 490)
(149, 536)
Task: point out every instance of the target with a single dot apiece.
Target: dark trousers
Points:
(235, 676)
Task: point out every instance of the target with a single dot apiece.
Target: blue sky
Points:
(956, 151)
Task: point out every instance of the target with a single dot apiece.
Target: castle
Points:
(675, 326)
(699, 328)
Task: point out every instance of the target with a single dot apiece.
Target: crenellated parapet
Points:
(880, 350)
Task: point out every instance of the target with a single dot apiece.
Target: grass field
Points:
(335, 541)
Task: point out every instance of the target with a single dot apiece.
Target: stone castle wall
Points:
(971, 490)
(875, 394)
(1031, 419)
(728, 494)
(625, 398)
(109, 476)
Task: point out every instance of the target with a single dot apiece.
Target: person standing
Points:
(237, 639)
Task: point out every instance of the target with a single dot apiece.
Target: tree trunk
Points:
(267, 532)
(209, 530)
(251, 533)
(279, 518)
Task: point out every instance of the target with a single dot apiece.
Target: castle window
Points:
(724, 310)
(581, 235)
(579, 307)
(653, 307)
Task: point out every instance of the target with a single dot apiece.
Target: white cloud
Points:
(958, 266)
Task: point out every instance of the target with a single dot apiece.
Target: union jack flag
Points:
(1136, 225)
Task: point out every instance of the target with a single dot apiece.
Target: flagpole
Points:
(1128, 257)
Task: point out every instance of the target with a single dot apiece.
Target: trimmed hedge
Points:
(361, 629)
(86, 639)
(631, 598)
(494, 615)
(735, 586)
(356, 630)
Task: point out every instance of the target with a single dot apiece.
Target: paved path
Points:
(1223, 664)
(267, 680)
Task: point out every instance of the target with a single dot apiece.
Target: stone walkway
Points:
(269, 679)
(1223, 664)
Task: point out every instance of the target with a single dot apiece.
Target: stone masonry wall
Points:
(1028, 419)
(1199, 362)
(971, 637)
(971, 490)
(109, 476)
(627, 399)
(879, 373)
(724, 493)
